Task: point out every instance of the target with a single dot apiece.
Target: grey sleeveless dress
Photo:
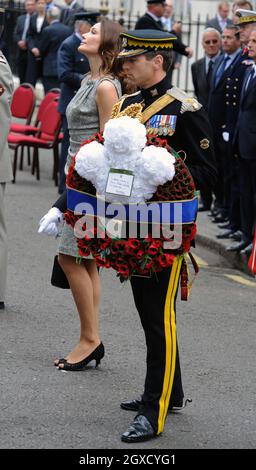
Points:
(83, 121)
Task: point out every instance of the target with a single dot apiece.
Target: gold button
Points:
(234, 96)
(237, 80)
(229, 79)
(234, 104)
(227, 86)
(227, 95)
(235, 87)
(227, 102)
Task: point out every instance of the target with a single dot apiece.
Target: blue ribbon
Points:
(169, 212)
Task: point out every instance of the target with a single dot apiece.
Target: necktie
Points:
(25, 30)
(209, 73)
(221, 69)
(67, 15)
(250, 78)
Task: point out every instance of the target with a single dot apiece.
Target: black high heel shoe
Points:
(96, 355)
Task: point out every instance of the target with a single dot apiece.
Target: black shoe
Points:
(225, 233)
(133, 405)
(238, 246)
(219, 219)
(2, 306)
(204, 208)
(247, 251)
(225, 225)
(96, 355)
(140, 430)
(237, 236)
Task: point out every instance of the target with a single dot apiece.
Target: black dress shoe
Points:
(133, 405)
(2, 306)
(225, 225)
(225, 234)
(219, 219)
(140, 430)
(238, 246)
(247, 251)
(237, 236)
(203, 208)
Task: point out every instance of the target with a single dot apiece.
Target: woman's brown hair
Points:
(110, 46)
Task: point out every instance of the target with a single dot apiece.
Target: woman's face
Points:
(91, 41)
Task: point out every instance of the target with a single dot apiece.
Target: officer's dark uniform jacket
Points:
(224, 99)
(192, 135)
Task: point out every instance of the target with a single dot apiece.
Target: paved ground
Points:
(42, 407)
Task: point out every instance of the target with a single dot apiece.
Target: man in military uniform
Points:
(72, 67)
(223, 108)
(147, 57)
(6, 90)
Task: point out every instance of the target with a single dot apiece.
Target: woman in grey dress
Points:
(87, 113)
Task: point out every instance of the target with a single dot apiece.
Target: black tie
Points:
(209, 73)
(221, 70)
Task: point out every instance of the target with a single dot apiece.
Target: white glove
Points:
(49, 224)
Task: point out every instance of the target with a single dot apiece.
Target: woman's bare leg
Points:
(85, 286)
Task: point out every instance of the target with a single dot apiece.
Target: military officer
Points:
(72, 67)
(6, 90)
(146, 59)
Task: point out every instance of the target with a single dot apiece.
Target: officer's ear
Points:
(158, 60)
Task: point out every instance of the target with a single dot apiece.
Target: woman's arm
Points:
(106, 97)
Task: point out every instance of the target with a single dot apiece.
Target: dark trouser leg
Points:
(63, 154)
(248, 191)
(155, 300)
(50, 82)
(234, 212)
(22, 66)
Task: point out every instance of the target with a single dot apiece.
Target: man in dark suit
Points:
(222, 111)
(51, 39)
(72, 66)
(68, 14)
(221, 20)
(20, 38)
(201, 75)
(36, 26)
(245, 143)
(152, 20)
(202, 68)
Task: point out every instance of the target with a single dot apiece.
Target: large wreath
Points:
(130, 256)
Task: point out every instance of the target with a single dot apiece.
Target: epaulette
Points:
(118, 106)
(188, 104)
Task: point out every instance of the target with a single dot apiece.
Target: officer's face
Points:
(140, 71)
(245, 31)
(91, 41)
(230, 42)
(211, 43)
(252, 46)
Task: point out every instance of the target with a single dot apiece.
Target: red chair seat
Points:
(23, 128)
(16, 139)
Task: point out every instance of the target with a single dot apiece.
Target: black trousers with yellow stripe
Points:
(155, 300)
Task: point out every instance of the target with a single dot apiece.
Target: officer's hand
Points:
(49, 224)
(189, 52)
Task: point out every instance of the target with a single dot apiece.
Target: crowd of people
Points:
(95, 61)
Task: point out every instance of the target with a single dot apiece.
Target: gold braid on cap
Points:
(133, 111)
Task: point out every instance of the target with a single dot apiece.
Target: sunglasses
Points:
(211, 41)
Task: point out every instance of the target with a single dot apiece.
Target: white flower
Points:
(124, 135)
(90, 161)
(124, 149)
